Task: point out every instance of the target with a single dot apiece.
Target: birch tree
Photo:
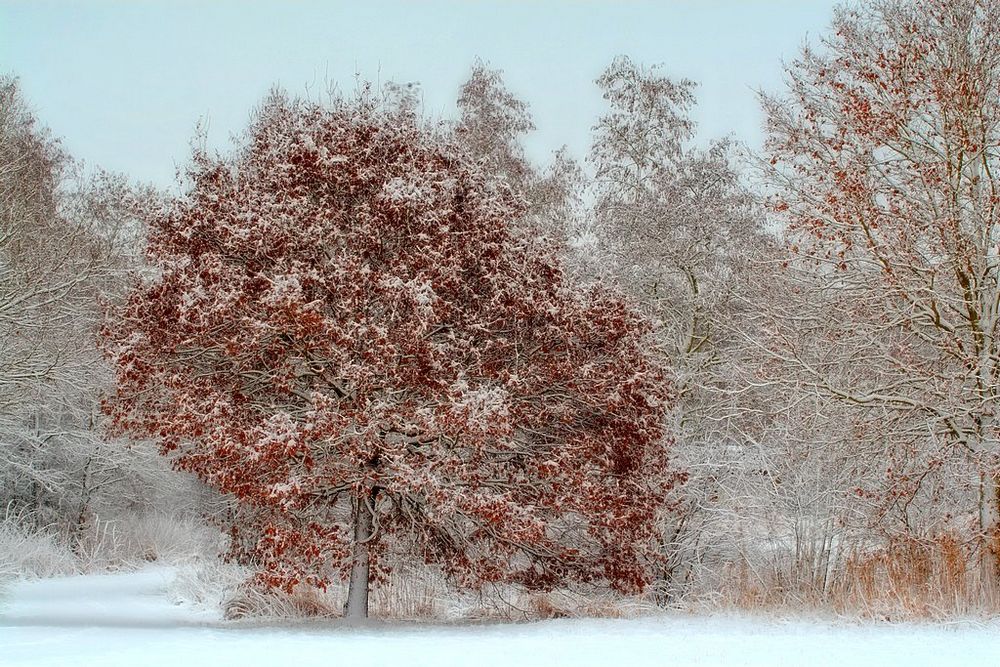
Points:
(493, 124)
(679, 228)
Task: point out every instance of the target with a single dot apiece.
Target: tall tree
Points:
(347, 331)
(679, 229)
(884, 157)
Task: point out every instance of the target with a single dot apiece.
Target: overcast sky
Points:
(125, 82)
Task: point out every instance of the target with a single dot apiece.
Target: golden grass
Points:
(937, 579)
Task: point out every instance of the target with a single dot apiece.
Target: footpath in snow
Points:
(129, 620)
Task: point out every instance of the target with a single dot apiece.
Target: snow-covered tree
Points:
(348, 332)
(492, 125)
(884, 159)
(62, 247)
(678, 229)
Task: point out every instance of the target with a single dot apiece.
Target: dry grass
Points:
(936, 579)
(409, 593)
(129, 542)
(28, 551)
(303, 602)
(939, 578)
(908, 579)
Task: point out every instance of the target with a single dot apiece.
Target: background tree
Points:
(347, 332)
(493, 123)
(679, 228)
(884, 161)
(65, 241)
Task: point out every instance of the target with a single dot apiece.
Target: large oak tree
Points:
(345, 331)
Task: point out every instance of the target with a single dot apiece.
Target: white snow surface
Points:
(129, 619)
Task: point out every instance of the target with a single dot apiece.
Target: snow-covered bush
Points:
(131, 541)
(29, 552)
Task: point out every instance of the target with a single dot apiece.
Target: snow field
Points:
(130, 620)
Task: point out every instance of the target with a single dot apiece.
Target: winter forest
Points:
(373, 361)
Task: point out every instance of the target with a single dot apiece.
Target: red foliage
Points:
(342, 311)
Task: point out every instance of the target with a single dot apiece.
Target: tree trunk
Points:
(356, 607)
(989, 499)
(989, 521)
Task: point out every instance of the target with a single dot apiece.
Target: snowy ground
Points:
(130, 620)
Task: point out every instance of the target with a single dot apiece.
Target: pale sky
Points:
(124, 83)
